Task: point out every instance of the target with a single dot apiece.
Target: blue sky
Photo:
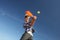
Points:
(47, 25)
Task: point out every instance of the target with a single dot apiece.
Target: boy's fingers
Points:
(35, 17)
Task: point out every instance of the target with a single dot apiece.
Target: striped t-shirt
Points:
(27, 24)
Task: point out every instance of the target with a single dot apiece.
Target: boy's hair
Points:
(28, 13)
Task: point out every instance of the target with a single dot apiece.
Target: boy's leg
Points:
(25, 36)
(30, 38)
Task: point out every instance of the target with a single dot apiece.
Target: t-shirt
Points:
(28, 28)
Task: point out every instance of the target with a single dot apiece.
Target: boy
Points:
(28, 26)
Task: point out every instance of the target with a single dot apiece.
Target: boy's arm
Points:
(33, 20)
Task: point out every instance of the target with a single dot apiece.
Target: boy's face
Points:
(26, 19)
